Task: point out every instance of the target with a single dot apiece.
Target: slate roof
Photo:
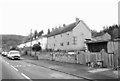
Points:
(96, 41)
(67, 28)
(62, 29)
(98, 35)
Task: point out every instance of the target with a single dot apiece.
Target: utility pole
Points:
(30, 41)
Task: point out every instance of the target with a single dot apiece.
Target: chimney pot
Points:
(64, 25)
(52, 29)
(77, 20)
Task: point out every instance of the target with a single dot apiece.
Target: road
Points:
(19, 69)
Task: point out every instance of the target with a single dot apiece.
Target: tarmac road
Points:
(20, 70)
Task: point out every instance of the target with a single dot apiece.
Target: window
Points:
(74, 40)
(68, 43)
(61, 44)
(82, 34)
(67, 33)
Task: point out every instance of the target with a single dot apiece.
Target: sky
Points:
(20, 16)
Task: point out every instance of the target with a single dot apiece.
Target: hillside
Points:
(11, 40)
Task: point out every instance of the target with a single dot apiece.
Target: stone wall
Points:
(61, 57)
(109, 60)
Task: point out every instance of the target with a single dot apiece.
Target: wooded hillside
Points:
(11, 40)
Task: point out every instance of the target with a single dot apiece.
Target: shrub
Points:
(36, 47)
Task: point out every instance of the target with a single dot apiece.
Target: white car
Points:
(14, 54)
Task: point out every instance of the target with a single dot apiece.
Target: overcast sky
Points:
(19, 16)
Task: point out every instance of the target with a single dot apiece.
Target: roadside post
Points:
(78, 57)
(30, 42)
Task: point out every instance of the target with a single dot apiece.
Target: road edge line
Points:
(14, 68)
(25, 76)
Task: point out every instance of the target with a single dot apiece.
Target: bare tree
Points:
(40, 33)
(48, 31)
(35, 34)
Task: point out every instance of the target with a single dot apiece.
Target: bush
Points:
(36, 47)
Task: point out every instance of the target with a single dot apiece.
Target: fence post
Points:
(115, 59)
(78, 57)
(103, 52)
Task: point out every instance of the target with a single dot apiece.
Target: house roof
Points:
(96, 41)
(85, 25)
(67, 28)
(103, 36)
(62, 29)
(98, 34)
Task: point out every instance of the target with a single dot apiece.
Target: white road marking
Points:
(14, 68)
(7, 62)
(98, 70)
(21, 73)
(25, 76)
(23, 65)
(18, 66)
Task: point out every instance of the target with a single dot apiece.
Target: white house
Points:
(21, 46)
(43, 42)
(69, 37)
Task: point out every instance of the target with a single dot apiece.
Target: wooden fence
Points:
(109, 59)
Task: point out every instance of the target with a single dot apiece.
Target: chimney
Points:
(52, 29)
(55, 28)
(64, 25)
(77, 20)
(59, 27)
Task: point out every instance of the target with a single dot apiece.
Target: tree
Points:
(40, 33)
(35, 34)
(94, 32)
(36, 47)
(48, 31)
(112, 30)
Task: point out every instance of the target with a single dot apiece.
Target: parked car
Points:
(4, 53)
(13, 54)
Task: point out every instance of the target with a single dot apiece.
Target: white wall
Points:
(81, 32)
(58, 39)
(43, 41)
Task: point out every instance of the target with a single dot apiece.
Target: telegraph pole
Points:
(30, 41)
